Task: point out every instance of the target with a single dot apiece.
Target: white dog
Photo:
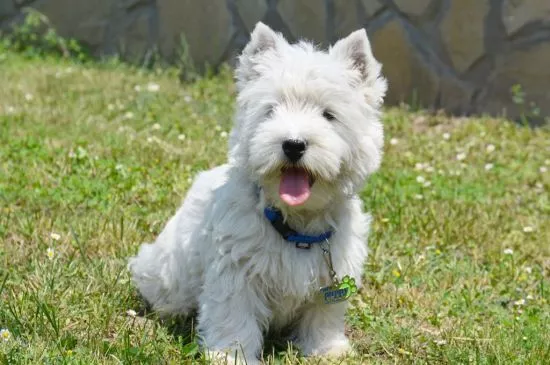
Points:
(256, 238)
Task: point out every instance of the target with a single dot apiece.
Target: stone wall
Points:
(460, 55)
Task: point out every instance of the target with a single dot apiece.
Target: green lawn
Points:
(95, 158)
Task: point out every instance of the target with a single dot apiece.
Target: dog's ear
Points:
(356, 51)
(262, 40)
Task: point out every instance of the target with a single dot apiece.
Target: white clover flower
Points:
(427, 184)
(131, 313)
(446, 136)
(490, 148)
(153, 87)
(5, 334)
(419, 166)
(440, 342)
(55, 236)
(187, 98)
(119, 167)
(461, 156)
(429, 169)
(223, 134)
(10, 109)
(519, 302)
(470, 143)
(528, 229)
(420, 179)
(529, 297)
(81, 152)
(137, 88)
(128, 115)
(394, 141)
(547, 162)
(110, 107)
(156, 126)
(508, 251)
(543, 169)
(528, 269)
(489, 166)
(149, 139)
(29, 96)
(419, 196)
(218, 128)
(50, 253)
(181, 137)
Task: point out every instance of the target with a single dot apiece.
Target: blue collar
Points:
(302, 241)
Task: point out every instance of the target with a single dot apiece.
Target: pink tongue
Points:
(294, 188)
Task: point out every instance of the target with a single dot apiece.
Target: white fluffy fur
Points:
(219, 256)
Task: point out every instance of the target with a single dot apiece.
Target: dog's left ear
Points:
(356, 51)
(262, 40)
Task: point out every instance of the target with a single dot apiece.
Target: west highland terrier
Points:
(275, 240)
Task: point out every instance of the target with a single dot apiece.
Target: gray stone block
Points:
(517, 13)
(206, 25)
(462, 31)
(305, 18)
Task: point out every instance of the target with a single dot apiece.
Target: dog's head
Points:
(308, 122)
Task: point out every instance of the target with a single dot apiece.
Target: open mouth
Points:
(295, 185)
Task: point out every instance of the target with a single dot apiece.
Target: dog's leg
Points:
(321, 330)
(231, 318)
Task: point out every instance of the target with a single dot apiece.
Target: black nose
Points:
(294, 149)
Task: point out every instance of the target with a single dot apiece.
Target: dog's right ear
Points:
(263, 39)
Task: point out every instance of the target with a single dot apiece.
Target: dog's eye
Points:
(328, 115)
(269, 111)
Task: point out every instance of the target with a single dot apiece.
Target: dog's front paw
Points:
(229, 357)
(336, 347)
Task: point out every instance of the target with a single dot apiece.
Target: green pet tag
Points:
(339, 291)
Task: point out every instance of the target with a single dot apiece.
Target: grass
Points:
(94, 159)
